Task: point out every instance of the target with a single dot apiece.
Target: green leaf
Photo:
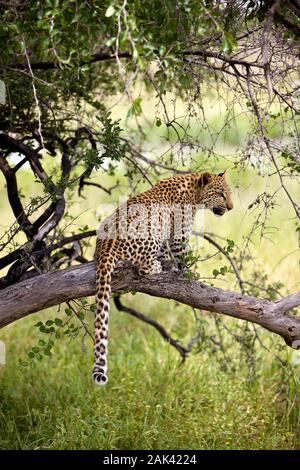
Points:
(229, 42)
(135, 109)
(110, 11)
(186, 80)
(135, 54)
(48, 353)
(223, 270)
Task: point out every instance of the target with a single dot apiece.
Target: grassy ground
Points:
(150, 402)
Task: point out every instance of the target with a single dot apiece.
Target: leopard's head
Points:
(214, 193)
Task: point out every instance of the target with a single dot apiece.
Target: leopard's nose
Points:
(229, 206)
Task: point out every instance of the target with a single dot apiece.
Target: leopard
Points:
(146, 230)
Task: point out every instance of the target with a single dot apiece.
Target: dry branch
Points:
(59, 286)
(183, 351)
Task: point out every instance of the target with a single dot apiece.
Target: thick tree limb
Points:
(60, 286)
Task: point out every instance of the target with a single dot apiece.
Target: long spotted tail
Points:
(104, 271)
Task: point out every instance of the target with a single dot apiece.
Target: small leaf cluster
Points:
(229, 247)
(69, 326)
(221, 271)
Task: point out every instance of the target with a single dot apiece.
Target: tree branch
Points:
(39, 248)
(103, 56)
(14, 198)
(97, 185)
(230, 259)
(183, 351)
(60, 286)
(97, 57)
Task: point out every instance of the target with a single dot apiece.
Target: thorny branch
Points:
(183, 351)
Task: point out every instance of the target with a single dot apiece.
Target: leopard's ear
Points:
(204, 179)
(222, 174)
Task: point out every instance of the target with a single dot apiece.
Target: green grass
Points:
(150, 402)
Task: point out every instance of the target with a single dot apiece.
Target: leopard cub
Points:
(137, 231)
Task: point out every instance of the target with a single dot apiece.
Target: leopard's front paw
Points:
(154, 268)
(182, 266)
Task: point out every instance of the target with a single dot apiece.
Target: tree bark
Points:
(53, 288)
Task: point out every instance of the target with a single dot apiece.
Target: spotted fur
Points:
(137, 231)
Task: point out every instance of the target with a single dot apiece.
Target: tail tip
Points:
(100, 379)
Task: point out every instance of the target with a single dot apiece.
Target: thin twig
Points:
(183, 351)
